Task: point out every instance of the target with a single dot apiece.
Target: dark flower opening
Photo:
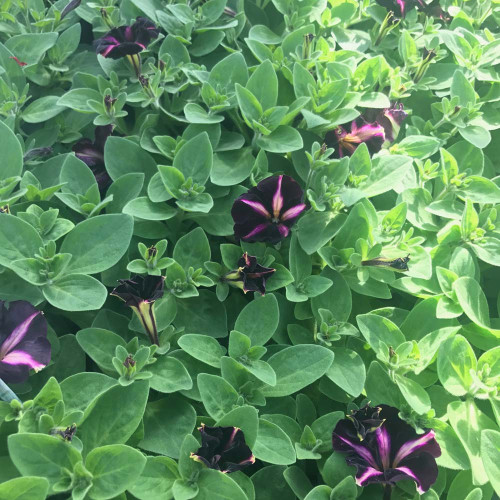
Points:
(92, 153)
(23, 341)
(127, 40)
(385, 449)
(250, 276)
(345, 142)
(268, 211)
(140, 293)
(223, 449)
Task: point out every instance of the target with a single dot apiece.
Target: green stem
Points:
(6, 393)
(234, 117)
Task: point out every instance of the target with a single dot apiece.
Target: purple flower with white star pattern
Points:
(223, 448)
(127, 40)
(23, 341)
(385, 449)
(345, 142)
(268, 211)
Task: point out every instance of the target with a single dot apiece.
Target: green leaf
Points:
(30, 47)
(348, 371)
(227, 72)
(263, 84)
(77, 99)
(98, 243)
(42, 109)
(122, 156)
(472, 299)
(160, 418)
(273, 445)
(461, 88)
(12, 153)
(24, 488)
(468, 422)
(156, 479)
(144, 208)
(169, 375)
(476, 135)
(414, 394)
(345, 490)
(282, 140)
(100, 345)
(387, 172)
(296, 367)
(267, 311)
(488, 250)
(218, 396)
(42, 455)
(202, 314)
(249, 105)
(203, 348)
(381, 333)
(76, 292)
(214, 485)
(418, 146)
(456, 360)
(490, 453)
(115, 416)
(114, 468)
(195, 158)
(18, 239)
(232, 167)
(192, 249)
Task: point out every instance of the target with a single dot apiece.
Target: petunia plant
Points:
(249, 250)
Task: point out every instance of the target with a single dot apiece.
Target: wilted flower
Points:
(399, 264)
(223, 448)
(268, 211)
(23, 341)
(345, 142)
(250, 276)
(20, 63)
(127, 40)
(385, 449)
(67, 434)
(391, 120)
(4, 209)
(92, 153)
(140, 293)
(70, 7)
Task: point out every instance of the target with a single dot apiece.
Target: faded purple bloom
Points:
(67, 434)
(140, 293)
(391, 120)
(250, 276)
(23, 341)
(399, 264)
(345, 143)
(223, 448)
(268, 211)
(385, 449)
(92, 153)
(127, 40)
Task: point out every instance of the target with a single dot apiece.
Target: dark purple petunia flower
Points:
(92, 153)
(250, 276)
(140, 293)
(127, 40)
(268, 211)
(74, 4)
(23, 341)
(391, 120)
(385, 449)
(345, 143)
(223, 448)
(400, 7)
